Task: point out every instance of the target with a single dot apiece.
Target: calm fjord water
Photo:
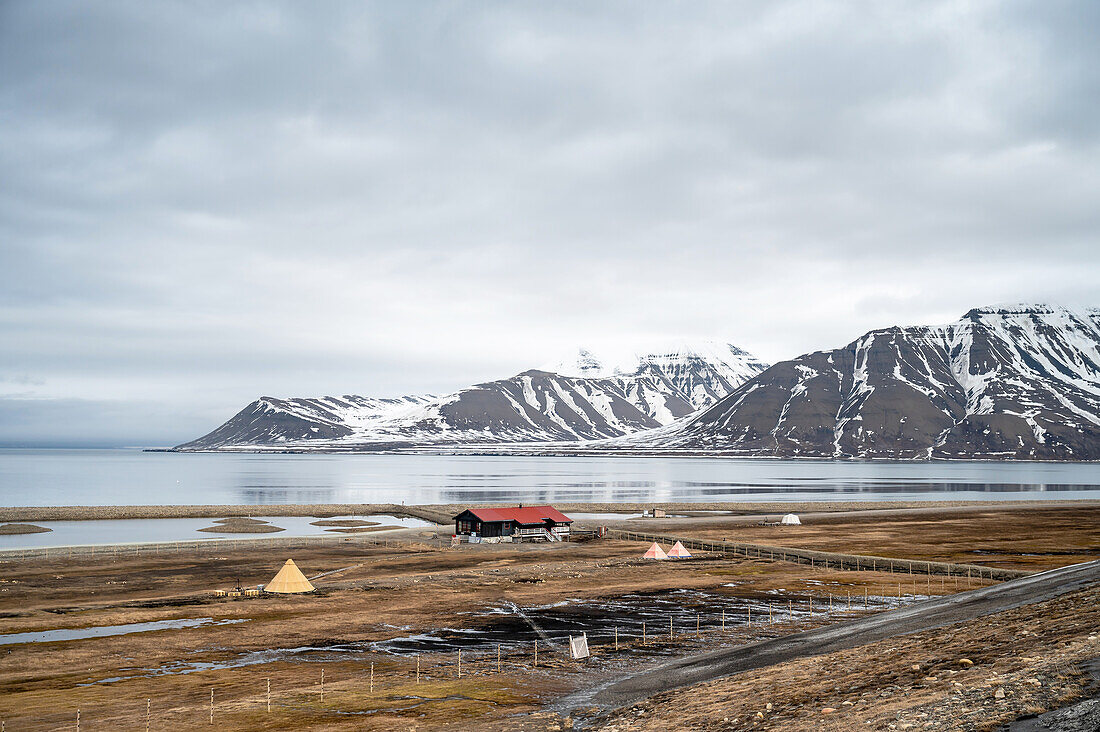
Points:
(133, 477)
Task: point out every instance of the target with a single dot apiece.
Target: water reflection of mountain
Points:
(47, 477)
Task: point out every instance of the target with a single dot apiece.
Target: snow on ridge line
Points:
(612, 362)
(1038, 364)
(536, 405)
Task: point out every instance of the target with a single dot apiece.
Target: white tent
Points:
(678, 551)
(655, 552)
(791, 519)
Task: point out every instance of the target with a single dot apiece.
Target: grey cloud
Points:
(210, 201)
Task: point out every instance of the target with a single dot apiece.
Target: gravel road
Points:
(914, 618)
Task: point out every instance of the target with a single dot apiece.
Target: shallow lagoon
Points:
(138, 531)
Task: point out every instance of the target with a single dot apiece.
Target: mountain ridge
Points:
(1003, 382)
(532, 406)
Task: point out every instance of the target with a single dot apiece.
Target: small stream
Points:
(102, 631)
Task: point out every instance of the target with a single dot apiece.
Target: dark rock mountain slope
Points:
(592, 399)
(1002, 383)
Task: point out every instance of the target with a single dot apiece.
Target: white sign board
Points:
(578, 646)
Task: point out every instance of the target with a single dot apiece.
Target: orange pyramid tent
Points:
(289, 580)
(655, 552)
(679, 552)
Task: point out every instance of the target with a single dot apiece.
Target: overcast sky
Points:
(205, 202)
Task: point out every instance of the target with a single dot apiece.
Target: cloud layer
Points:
(205, 202)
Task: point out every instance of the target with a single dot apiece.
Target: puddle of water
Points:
(101, 631)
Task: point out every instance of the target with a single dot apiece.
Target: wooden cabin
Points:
(522, 523)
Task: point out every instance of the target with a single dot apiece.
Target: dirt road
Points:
(914, 618)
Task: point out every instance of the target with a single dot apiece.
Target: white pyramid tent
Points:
(655, 552)
(791, 519)
(678, 551)
(289, 580)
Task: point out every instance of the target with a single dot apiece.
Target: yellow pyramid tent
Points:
(655, 552)
(289, 580)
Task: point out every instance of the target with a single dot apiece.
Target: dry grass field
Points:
(370, 595)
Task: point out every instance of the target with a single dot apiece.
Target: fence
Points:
(829, 560)
(254, 696)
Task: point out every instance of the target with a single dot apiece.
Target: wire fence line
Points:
(376, 680)
(239, 691)
(829, 560)
(810, 557)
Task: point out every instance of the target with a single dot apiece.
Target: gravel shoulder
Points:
(919, 617)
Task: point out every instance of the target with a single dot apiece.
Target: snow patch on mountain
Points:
(590, 398)
(1019, 382)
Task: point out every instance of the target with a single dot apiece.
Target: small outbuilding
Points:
(791, 519)
(521, 523)
(289, 580)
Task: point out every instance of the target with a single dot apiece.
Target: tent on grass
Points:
(679, 552)
(791, 519)
(289, 580)
(655, 552)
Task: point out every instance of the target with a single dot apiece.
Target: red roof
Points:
(522, 515)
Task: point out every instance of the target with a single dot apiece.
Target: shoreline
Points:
(442, 513)
(567, 452)
(213, 543)
(120, 512)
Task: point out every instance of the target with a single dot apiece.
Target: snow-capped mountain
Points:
(698, 372)
(271, 421)
(591, 399)
(1019, 382)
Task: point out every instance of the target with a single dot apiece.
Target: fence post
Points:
(269, 696)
